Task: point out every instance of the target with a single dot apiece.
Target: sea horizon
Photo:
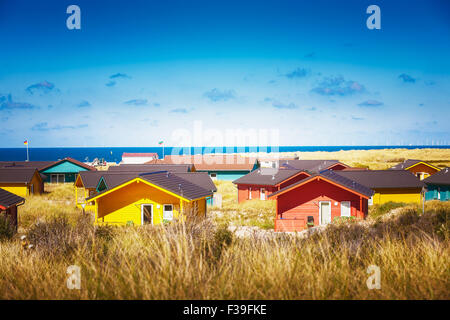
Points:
(114, 154)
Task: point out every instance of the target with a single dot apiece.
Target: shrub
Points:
(7, 229)
(378, 210)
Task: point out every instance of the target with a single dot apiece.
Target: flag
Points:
(25, 142)
(161, 142)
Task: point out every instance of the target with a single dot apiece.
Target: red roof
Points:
(150, 154)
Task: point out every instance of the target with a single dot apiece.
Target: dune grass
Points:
(203, 259)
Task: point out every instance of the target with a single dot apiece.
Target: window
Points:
(57, 178)
(32, 189)
(213, 176)
(262, 194)
(250, 193)
(345, 209)
(370, 201)
(168, 212)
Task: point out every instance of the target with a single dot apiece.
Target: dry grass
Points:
(250, 213)
(378, 159)
(201, 260)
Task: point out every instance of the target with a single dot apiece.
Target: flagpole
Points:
(163, 150)
(28, 159)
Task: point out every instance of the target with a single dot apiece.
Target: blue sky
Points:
(139, 70)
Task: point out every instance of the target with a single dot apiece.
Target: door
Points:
(345, 209)
(325, 212)
(147, 214)
(262, 194)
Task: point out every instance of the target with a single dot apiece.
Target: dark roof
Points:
(17, 175)
(211, 162)
(202, 179)
(26, 164)
(184, 185)
(90, 178)
(309, 165)
(151, 167)
(74, 161)
(334, 177)
(408, 163)
(383, 179)
(267, 176)
(441, 177)
(8, 199)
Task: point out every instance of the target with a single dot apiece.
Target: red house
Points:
(318, 199)
(262, 182)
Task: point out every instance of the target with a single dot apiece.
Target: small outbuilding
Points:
(138, 158)
(8, 206)
(438, 186)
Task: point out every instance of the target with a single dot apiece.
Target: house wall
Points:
(295, 206)
(69, 169)
(422, 168)
(136, 160)
(244, 191)
(80, 197)
(438, 192)
(19, 189)
(397, 195)
(38, 185)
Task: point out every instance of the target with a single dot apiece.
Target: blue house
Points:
(65, 170)
(438, 186)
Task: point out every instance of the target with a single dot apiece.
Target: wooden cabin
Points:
(21, 181)
(389, 185)
(8, 206)
(318, 200)
(262, 182)
(438, 186)
(65, 170)
(419, 168)
(153, 198)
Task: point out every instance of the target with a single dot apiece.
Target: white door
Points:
(325, 212)
(262, 194)
(345, 209)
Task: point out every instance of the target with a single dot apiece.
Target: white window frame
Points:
(349, 208)
(249, 193)
(142, 212)
(164, 211)
(370, 201)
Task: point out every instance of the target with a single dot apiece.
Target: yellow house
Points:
(21, 181)
(388, 185)
(419, 168)
(153, 198)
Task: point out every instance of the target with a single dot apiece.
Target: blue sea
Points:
(114, 154)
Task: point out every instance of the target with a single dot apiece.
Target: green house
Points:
(65, 170)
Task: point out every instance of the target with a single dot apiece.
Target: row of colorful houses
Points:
(307, 192)
(314, 192)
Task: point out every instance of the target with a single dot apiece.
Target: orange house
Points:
(419, 168)
(8, 205)
(319, 199)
